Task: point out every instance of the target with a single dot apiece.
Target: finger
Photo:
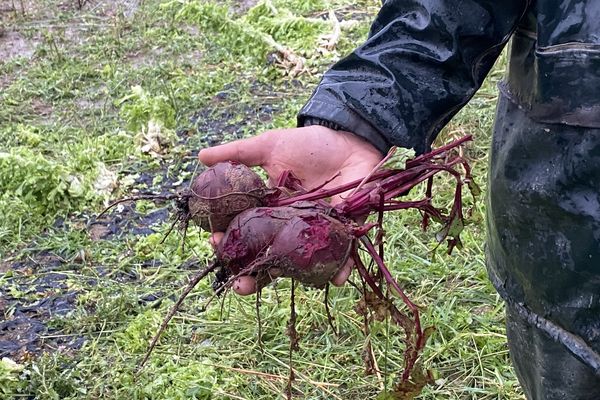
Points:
(246, 151)
(215, 239)
(244, 285)
(340, 278)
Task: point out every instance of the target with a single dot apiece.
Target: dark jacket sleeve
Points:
(423, 60)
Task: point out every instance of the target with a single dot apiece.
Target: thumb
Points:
(250, 152)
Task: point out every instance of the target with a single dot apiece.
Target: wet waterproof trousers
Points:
(543, 251)
(546, 369)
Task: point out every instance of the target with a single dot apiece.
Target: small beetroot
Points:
(221, 192)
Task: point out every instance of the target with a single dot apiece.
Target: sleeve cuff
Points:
(340, 118)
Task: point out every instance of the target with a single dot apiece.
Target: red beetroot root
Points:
(311, 248)
(301, 241)
(249, 235)
(223, 191)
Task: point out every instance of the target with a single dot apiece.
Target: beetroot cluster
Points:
(299, 233)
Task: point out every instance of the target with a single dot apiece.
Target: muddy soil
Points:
(31, 295)
(14, 44)
(21, 21)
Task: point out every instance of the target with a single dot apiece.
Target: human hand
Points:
(314, 154)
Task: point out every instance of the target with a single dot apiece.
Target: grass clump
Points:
(139, 108)
(35, 188)
(214, 20)
(11, 381)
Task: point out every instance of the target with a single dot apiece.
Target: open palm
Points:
(314, 154)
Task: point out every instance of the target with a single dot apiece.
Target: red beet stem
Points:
(400, 318)
(420, 340)
(393, 182)
(391, 281)
(410, 326)
(325, 193)
(440, 150)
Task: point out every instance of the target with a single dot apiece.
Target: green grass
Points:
(73, 117)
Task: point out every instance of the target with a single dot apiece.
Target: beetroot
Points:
(221, 192)
(301, 241)
(214, 198)
(311, 247)
(250, 235)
